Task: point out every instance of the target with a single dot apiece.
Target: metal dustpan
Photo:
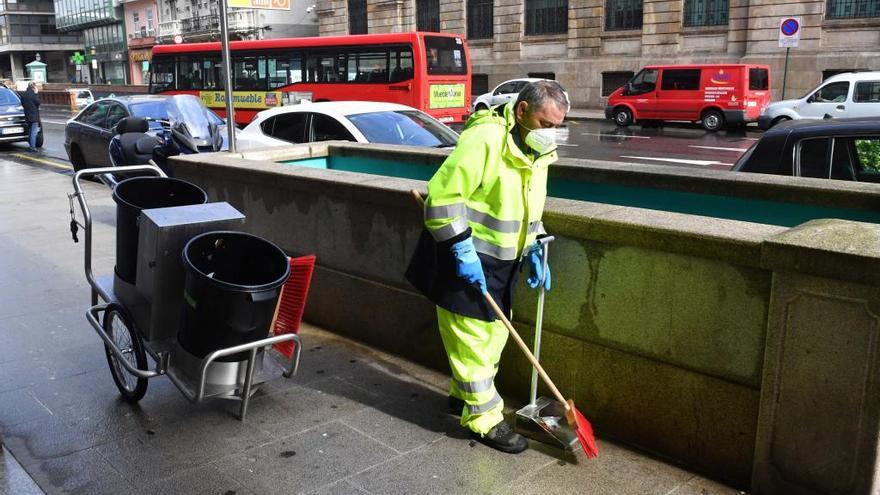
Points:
(543, 419)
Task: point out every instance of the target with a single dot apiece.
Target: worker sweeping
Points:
(482, 217)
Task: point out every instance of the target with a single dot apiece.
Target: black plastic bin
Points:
(233, 281)
(142, 193)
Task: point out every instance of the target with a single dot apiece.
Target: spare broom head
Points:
(583, 429)
(292, 302)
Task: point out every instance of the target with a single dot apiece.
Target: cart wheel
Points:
(119, 327)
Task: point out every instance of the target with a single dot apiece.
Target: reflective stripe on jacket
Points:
(489, 189)
(488, 184)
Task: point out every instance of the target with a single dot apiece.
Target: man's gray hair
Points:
(32, 84)
(538, 93)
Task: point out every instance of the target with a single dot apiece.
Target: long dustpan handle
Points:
(519, 341)
(539, 317)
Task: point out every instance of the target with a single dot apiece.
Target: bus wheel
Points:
(622, 116)
(712, 120)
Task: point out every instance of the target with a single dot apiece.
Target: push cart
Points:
(233, 372)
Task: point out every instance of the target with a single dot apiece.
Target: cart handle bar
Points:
(87, 216)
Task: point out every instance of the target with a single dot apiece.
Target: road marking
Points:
(613, 135)
(44, 162)
(703, 163)
(739, 150)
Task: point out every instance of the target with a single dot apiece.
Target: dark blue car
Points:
(87, 136)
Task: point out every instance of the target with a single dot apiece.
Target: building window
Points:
(546, 16)
(357, 16)
(428, 15)
(479, 83)
(705, 13)
(623, 14)
(480, 17)
(150, 19)
(614, 79)
(852, 9)
(136, 18)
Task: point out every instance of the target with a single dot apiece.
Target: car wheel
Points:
(712, 120)
(76, 158)
(622, 116)
(777, 120)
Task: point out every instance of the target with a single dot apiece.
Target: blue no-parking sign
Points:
(789, 32)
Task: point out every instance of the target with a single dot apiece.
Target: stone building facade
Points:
(593, 46)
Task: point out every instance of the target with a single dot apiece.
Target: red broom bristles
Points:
(583, 429)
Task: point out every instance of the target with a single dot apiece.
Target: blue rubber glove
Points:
(536, 267)
(467, 263)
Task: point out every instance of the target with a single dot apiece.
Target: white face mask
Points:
(541, 140)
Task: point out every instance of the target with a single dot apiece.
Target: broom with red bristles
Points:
(575, 419)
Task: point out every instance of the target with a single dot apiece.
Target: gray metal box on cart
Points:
(160, 272)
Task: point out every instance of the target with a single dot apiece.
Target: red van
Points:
(712, 94)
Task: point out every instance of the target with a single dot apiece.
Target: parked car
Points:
(712, 94)
(503, 93)
(848, 95)
(87, 136)
(82, 97)
(843, 149)
(13, 127)
(360, 121)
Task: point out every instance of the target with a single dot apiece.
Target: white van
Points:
(852, 94)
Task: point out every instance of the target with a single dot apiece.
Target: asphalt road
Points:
(663, 145)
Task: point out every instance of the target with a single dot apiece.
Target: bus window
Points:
(445, 55)
(326, 67)
(372, 67)
(162, 75)
(284, 69)
(189, 73)
(401, 64)
(212, 73)
(250, 73)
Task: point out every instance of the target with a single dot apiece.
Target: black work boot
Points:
(456, 405)
(502, 437)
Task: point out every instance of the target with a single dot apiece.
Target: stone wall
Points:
(579, 57)
(744, 351)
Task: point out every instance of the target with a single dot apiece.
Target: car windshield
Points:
(409, 127)
(7, 97)
(190, 110)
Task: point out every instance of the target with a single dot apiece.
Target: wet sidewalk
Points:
(353, 421)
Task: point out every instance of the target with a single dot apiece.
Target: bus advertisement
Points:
(427, 71)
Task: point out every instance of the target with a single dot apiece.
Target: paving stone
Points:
(201, 438)
(204, 480)
(13, 478)
(340, 488)
(306, 406)
(306, 461)
(450, 465)
(616, 471)
(84, 472)
(408, 423)
(20, 406)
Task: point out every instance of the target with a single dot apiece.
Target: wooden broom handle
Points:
(519, 341)
(523, 347)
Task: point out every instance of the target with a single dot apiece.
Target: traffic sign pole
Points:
(785, 72)
(227, 74)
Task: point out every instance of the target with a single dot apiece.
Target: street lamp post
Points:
(227, 73)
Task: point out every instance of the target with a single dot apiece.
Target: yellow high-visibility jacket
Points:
(490, 189)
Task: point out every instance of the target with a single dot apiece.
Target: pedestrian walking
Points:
(482, 217)
(31, 104)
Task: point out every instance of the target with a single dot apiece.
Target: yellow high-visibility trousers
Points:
(474, 348)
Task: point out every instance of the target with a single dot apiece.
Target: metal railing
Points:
(699, 13)
(623, 14)
(852, 9)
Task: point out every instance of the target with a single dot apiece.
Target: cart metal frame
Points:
(192, 384)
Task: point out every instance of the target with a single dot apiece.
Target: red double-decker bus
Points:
(428, 71)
